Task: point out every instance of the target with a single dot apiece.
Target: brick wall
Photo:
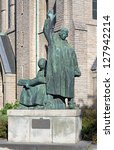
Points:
(59, 14)
(9, 88)
(81, 51)
(78, 10)
(91, 56)
(22, 40)
(7, 26)
(25, 40)
(76, 15)
(41, 15)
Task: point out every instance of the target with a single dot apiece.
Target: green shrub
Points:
(7, 106)
(4, 118)
(89, 124)
(3, 126)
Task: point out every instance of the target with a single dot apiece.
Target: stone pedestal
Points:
(44, 126)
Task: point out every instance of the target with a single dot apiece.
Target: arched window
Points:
(94, 9)
(7, 12)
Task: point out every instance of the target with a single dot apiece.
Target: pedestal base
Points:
(44, 126)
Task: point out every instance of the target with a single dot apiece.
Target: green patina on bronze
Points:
(58, 82)
(34, 90)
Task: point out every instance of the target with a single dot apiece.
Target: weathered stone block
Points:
(44, 126)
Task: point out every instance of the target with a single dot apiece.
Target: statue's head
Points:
(42, 63)
(63, 33)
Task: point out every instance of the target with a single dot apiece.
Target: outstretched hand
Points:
(77, 73)
(23, 82)
(51, 15)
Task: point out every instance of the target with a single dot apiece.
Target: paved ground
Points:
(82, 145)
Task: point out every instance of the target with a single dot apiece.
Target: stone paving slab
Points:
(82, 145)
(92, 147)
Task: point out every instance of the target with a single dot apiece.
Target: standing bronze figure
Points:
(62, 65)
(61, 69)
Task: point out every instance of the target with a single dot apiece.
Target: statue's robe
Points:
(62, 64)
(36, 93)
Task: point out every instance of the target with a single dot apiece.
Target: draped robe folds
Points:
(62, 64)
(36, 93)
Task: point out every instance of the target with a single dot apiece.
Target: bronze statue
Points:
(34, 90)
(53, 87)
(62, 65)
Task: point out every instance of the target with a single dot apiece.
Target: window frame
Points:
(94, 9)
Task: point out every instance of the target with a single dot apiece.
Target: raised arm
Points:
(49, 26)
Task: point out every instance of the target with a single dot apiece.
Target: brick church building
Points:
(22, 43)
